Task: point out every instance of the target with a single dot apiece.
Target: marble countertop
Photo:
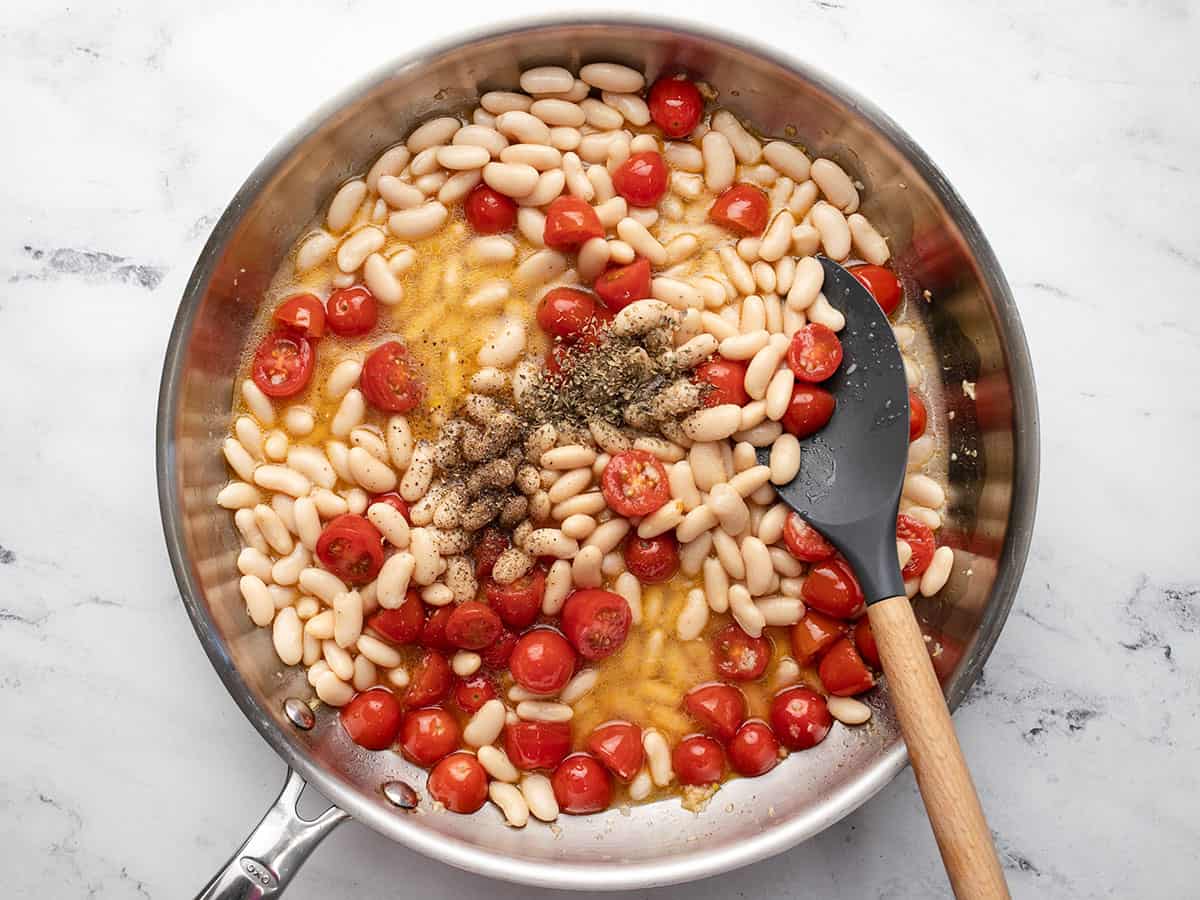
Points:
(125, 769)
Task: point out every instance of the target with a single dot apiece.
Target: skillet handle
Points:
(274, 851)
(953, 806)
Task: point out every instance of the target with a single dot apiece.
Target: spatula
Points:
(848, 488)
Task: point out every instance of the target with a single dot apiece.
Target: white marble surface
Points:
(1070, 129)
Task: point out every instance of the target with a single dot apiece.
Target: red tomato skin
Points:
(492, 542)
(919, 537)
(565, 312)
(619, 287)
(569, 223)
(498, 654)
(518, 604)
(596, 622)
(471, 693)
(652, 560)
(302, 313)
(352, 311)
(433, 633)
(864, 640)
(388, 381)
(472, 626)
(351, 548)
(742, 208)
(675, 106)
(800, 718)
(843, 671)
(883, 285)
(642, 179)
(401, 625)
(537, 745)
(581, 785)
(489, 211)
(396, 502)
(619, 746)
(542, 661)
(459, 783)
(809, 410)
(831, 588)
(804, 542)
(918, 416)
(728, 379)
(634, 483)
(372, 719)
(754, 750)
(430, 681)
(698, 760)
(738, 656)
(428, 734)
(814, 634)
(814, 353)
(719, 708)
(283, 364)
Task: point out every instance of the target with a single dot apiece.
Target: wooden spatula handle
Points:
(954, 812)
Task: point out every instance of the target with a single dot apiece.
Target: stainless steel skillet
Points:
(976, 337)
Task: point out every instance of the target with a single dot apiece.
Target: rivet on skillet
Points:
(400, 794)
(298, 713)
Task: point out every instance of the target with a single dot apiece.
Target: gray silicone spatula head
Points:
(852, 470)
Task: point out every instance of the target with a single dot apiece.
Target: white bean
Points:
(823, 313)
(544, 711)
(539, 268)
(641, 240)
(744, 145)
(736, 269)
(869, 243)
(495, 761)
(632, 107)
(683, 485)
(938, 573)
(716, 585)
(511, 802)
(785, 459)
(481, 136)
(706, 464)
(730, 509)
(343, 377)
(551, 542)
(558, 586)
(831, 225)
(585, 568)
(259, 605)
(778, 237)
(759, 566)
(378, 652)
(720, 164)
(658, 757)
(547, 80)
(287, 635)
(924, 491)
(806, 240)
(612, 77)
(835, 184)
(498, 102)
(780, 610)
(400, 195)
(748, 616)
(763, 364)
(347, 618)
(693, 617)
(287, 569)
(788, 159)
(393, 580)
(239, 459)
(849, 711)
(374, 476)
(418, 222)
(779, 393)
(314, 251)
(258, 403)
(539, 796)
(345, 205)
(713, 424)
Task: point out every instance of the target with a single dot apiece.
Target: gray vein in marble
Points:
(91, 264)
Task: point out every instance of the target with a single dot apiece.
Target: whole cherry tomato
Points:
(581, 785)
(675, 106)
(537, 745)
(918, 417)
(429, 682)
(389, 381)
(403, 624)
(800, 718)
(428, 734)
(519, 602)
(619, 746)
(642, 179)
(596, 622)
(814, 353)
(303, 314)
(542, 661)
(739, 656)
(831, 588)
(719, 708)
(351, 548)
(489, 211)
(283, 364)
(570, 222)
(843, 671)
(459, 782)
(652, 560)
(620, 286)
(728, 379)
(698, 760)
(805, 542)
(472, 626)
(743, 208)
(372, 719)
(814, 634)
(352, 311)
(754, 750)
(883, 285)
(809, 410)
(565, 312)
(634, 483)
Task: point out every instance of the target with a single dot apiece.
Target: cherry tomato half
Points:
(652, 560)
(919, 538)
(864, 640)
(800, 718)
(814, 634)
(537, 745)
(728, 378)
(831, 588)
(351, 311)
(542, 661)
(675, 106)
(403, 624)
(498, 654)
(389, 381)
(433, 633)
(396, 502)
(621, 286)
(619, 746)
(430, 680)
(814, 353)
(302, 313)
(596, 622)
(489, 211)
(459, 782)
(283, 364)
(918, 417)
(565, 312)
(719, 708)
(742, 208)
(372, 719)
(642, 179)
(805, 542)
(634, 483)
(472, 626)
(809, 410)
(491, 543)
(843, 671)
(754, 750)
(739, 656)
(883, 285)
(698, 760)
(428, 734)
(581, 785)
(471, 693)
(569, 223)
(351, 548)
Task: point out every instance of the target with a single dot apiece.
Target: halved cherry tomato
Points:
(537, 745)
(428, 734)
(471, 693)
(831, 588)
(642, 179)
(472, 626)
(433, 634)
(581, 785)
(396, 502)
(283, 364)
(805, 542)
(814, 353)
(372, 719)
(570, 222)
(814, 634)
(351, 548)
(719, 708)
(430, 681)
(403, 624)
(742, 208)
(621, 286)
(883, 285)
(809, 410)
(459, 782)
(489, 211)
(492, 542)
(634, 483)
(596, 622)
(864, 640)
(542, 661)
(303, 313)
(920, 540)
(565, 312)
(739, 656)
(619, 746)
(389, 381)
(351, 311)
(800, 718)
(843, 671)
(498, 654)
(728, 378)
(698, 760)
(754, 750)
(675, 106)
(518, 604)
(918, 417)
(652, 560)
